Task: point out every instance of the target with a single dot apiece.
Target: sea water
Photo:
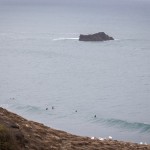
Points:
(43, 65)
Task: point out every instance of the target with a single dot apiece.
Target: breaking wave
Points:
(118, 123)
(61, 39)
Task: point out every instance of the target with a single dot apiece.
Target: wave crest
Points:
(61, 39)
(141, 127)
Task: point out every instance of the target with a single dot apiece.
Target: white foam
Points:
(60, 39)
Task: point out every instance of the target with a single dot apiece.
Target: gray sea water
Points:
(42, 64)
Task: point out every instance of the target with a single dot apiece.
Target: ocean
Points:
(44, 65)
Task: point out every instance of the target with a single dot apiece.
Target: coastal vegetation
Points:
(7, 141)
(17, 133)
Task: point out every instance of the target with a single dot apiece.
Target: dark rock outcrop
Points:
(101, 36)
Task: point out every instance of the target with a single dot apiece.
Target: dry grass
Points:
(7, 140)
(28, 135)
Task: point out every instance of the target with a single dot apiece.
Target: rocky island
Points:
(101, 36)
(17, 133)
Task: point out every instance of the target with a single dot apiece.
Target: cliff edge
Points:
(17, 133)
